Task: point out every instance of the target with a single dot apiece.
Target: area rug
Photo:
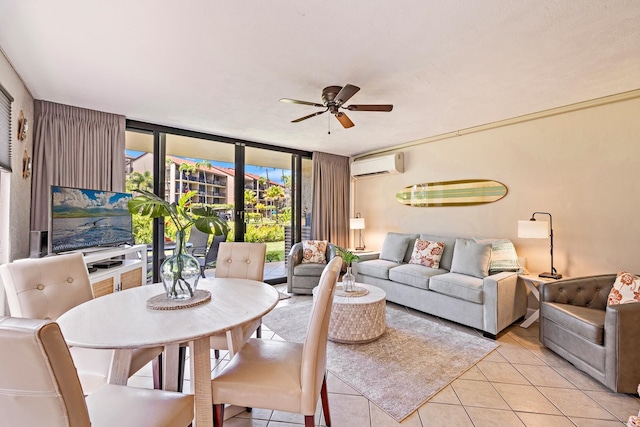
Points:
(413, 360)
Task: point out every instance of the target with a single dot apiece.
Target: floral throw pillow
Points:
(625, 289)
(313, 251)
(427, 253)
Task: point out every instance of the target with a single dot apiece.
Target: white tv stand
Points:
(131, 273)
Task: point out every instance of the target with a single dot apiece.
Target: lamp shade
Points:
(533, 229)
(356, 223)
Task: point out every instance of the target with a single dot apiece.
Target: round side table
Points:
(356, 320)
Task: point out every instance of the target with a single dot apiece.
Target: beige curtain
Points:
(74, 147)
(330, 212)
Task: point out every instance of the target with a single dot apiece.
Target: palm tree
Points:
(274, 193)
(188, 169)
(140, 181)
(250, 197)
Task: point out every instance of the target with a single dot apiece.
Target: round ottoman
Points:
(359, 319)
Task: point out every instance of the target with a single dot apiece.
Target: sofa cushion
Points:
(309, 269)
(585, 322)
(471, 258)
(394, 247)
(461, 286)
(313, 251)
(625, 289)
(503, 256)
(427, 253)
(414, 275)
(376, 268)
(449, 245)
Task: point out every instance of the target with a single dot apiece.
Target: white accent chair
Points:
(39, 386)
(45, 288)
(281, 375)
(240, 260)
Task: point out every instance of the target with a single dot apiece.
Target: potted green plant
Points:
(179, 272)
(348, 279)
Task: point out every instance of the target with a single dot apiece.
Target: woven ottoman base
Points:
(356, 320)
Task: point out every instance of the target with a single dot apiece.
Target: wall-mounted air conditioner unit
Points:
(381, 165)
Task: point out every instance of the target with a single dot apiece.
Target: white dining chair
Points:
(44, 288)
(39, 386)
(240, 260)
(281, 375)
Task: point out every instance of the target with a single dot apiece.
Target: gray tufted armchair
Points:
(303, 277)
(601, 340)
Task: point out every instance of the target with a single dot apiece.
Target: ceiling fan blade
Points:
(370, 107)
(344, 120)
(345, 94)
(309, 116)
(295, 101)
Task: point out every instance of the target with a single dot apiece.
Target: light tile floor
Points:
(521, 383)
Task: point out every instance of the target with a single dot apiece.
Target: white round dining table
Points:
(122, 321)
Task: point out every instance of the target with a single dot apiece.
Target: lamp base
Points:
(550, 275)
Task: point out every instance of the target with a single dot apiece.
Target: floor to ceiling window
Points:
(255, 188)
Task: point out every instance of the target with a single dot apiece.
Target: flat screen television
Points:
(82, 218)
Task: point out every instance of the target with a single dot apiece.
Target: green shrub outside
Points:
(262, 233)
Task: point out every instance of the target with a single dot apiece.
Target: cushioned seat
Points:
(309, 269)
(414, 275)
(585, 322)
(377, 268)
(461, 286)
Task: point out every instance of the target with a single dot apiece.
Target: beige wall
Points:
(15, 192)
(582, 166)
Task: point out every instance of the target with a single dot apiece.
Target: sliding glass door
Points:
(254, 189)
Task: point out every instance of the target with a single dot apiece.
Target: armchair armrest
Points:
(504, 301)
(622, 340)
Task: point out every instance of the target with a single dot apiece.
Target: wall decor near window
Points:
(452, 193)
(23, 126)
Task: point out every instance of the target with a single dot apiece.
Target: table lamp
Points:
(357, 223)
(532, 229)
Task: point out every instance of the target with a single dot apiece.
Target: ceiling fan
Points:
(333, 99)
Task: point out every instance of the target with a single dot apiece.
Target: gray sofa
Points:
(461, 289)
(601, 340)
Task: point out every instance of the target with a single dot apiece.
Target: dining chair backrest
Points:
(44, 288)
(314, 353)
(39, 385)
(241, 260)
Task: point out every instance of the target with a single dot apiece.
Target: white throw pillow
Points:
(503, 256)
(625, 289)
(313, 251)
(427, 253)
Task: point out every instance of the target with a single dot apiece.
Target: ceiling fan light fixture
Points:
(333, 98)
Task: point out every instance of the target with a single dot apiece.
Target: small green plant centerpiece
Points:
(348, 279)
(179, 272)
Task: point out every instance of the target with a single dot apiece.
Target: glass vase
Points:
(180, 272)
(348, 281)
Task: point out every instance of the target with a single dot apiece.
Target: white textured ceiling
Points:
(221, 66)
